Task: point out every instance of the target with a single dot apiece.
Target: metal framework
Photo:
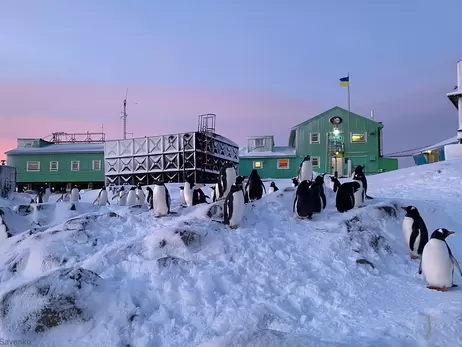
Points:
(170, 158)
(87, 137)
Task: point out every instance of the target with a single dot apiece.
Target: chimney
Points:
(372, 114)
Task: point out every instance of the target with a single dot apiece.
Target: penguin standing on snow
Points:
(3, 230)
(46, 196)
(193, 195)
(140, 197)
(254, 187)
(437, 262)
(161, 199)
(182, 200)
(39, 197)
(213, 194)
(305, 170)
(122, 195)
(75, 194)
(359, 175)
(273, 187)
(294, 182)
(303, 202)
(359, 194)
(415, 232)
(226, 179)
(234, 206)
(334, 183)
(150, 198)
(319, 183)
(131, 197)
(345, 198)
(101, 199)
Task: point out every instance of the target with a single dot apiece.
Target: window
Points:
(315, 162)
(259, 143)
(75, 165)
(358, 137)
(258, 164)
(33, 166)
(314, 138)
(283, 163)
(96, 165)
(53, 166)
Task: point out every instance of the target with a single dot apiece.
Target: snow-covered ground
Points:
(130, 280)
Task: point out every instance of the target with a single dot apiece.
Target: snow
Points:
(440, 144)
(61, 148)
(275, 281)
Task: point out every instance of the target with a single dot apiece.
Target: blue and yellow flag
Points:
(345, 81)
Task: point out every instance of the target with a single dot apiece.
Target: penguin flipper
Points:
(414, 234)
(167, 196)
(263, 185)
(456, 264)
(420, 266)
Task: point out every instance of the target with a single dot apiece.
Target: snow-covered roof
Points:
(278, 151)
(440, 144)
(61, 148)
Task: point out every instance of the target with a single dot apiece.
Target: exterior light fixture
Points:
(336, 131)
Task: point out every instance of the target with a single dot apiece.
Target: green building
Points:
(336, 140)
(41, 163)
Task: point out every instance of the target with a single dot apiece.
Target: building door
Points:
(337, 165)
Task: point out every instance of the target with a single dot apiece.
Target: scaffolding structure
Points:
(86, 137)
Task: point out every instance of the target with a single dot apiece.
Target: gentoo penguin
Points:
(303, 202)
(150, 198)
(122, 195)
(319, 182)
(213, 194)
(334, 183)
(140, 197)
(193, 195)
(415, 232)
(161, 199)
(273, 187)
(101, 199)
(46, 196)
(226, 179)
(254, 187)
(234, 206)
(437, 262)
(182, 200)
(39, 197)
(75, 195)
(358, 174)
(359, 194)
(294, 182)
(345, 198)
(131, 197)
(305, 170)
(3, 232)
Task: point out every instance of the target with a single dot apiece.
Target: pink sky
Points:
(38, 109)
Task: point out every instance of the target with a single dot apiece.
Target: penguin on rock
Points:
(234, 206)
(415, 232)
(161, 199)
(437, 262)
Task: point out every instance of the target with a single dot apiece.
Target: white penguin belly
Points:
(271, 189)
(188, 196)
(74, 195)
(437, 266)
(140, 197)
(230, 180)
(407, 231)
(131, 198)
(102, 198)
(359, 201)
(182, 200)
(306, 172)
(160, 201)
(238, 209)
(122, 199)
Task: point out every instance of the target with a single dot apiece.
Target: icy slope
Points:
(339, 280)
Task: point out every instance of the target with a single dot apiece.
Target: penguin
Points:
(46, 196)
(359, 194)
(213, 193)
(140, 197)
(294, 182)
(182, 200)
(305, 170)
(303, 202)
(101, 199)
(234, 206)
(334, 183)
(273, 187)
(75, 195)
(358, 174)
(161, 199)
(39, 197)
(437, 262)
(3, 230)
(345, 198)
(254, 187)
(415, 232)
(193, 195)
(122, 195)
(226, 178)
(319, 181)
(131, 197)
(150, 198)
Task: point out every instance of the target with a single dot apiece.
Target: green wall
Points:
(366, 153)
(270, 167)
(388, 164)
(64, 173)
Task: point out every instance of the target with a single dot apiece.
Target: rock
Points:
(61, 296)
(112, 214)
(365, 261)
(168, 261)
(390, 211)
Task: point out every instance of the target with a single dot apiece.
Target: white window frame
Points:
(358, 133)
(57, 165)
(33, 161)
(257, 145)
(284, 168)
(93, 164)
(72, 165)
(258, 161)
(311, 138)
(319, 162)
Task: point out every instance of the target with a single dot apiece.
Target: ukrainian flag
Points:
(345, 81)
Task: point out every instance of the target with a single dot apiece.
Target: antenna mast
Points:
(124, 115)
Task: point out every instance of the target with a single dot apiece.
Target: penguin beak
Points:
(451, 232)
